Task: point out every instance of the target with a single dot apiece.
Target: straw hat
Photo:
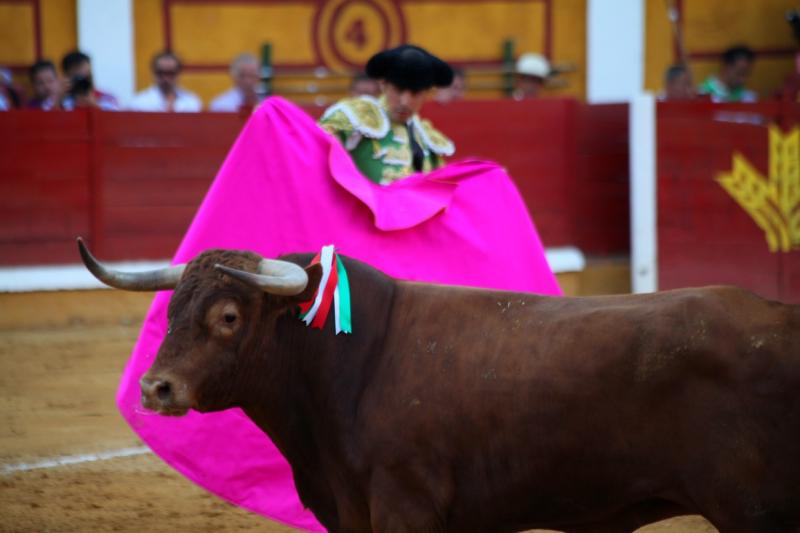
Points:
(533, 65)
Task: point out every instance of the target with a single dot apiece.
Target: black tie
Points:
(417, 156)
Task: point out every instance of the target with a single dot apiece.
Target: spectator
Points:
(10, 94)
(244, 93)
(46, 86)
(386, 138)
(791, 85)
(455, 91)
(729, 84)
(79, 89)
(678, 84)
(363, 85)
(530, 75)
(166, 94)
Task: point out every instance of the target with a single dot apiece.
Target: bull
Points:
(471, 410)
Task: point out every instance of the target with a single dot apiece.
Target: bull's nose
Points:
(156, 390)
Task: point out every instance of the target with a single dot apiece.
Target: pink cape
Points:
(287, 186)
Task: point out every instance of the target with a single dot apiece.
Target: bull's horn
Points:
(273, 276)
(152, 280)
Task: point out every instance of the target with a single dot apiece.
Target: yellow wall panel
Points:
(475, 30)
(658, 49)
(148, 38)
(716, 24)
(209, 34)
(59, 28)
(569, 46)
(17, 34)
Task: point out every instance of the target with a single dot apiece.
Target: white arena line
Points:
(76, 277)
(76, 459)
(63, 277)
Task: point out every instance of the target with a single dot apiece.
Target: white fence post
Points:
(105, 32)
(644, 215)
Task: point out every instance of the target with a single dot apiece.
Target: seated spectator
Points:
(530, 76)
(46, 86)
(678, 84)
(166, 94)
(363, 85)
(244, 93)
(729, 84)
(79, 90)
(10, 94)
(455, 91)
(790, 91)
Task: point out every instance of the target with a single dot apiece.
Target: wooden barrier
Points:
(568, 159)
(131, 182)
(706, 235)
(45, 185)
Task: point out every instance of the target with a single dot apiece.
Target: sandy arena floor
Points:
(61, 356)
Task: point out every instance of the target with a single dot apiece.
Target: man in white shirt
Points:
(244, 93)
(166, 95)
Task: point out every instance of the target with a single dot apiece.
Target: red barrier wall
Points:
(704, 235)
(131, 182)
(45, 191)
(569, 160)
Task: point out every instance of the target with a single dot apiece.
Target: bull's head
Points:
(225, 303)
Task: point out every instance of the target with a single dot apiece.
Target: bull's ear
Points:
(314, 273)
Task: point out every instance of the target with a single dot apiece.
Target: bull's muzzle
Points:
(159, 395)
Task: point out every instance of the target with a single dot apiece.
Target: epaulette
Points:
(364, 114)
(435, 140)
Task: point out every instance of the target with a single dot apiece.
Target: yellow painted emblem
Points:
(774, 203)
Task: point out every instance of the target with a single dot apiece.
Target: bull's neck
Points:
(316, 377)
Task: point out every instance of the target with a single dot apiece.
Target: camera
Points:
(80, 85)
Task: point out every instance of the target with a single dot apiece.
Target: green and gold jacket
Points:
(379, 147)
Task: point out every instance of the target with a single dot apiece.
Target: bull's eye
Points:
(224, 318)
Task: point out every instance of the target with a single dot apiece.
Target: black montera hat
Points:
(410, 67)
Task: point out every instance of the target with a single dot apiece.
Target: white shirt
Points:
(229, 101)
(151, 99)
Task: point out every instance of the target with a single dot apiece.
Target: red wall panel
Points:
(152, 172)
(704, 235)
(568, 160)
(45, 162)
(131, 182)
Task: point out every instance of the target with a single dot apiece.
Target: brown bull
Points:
(459, 409)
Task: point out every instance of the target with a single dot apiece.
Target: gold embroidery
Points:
(397, 155)
(399, 133)
(436, 141)
(336, 122)
(368, 113)
(392, 174)
(773, 204)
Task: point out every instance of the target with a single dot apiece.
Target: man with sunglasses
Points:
(166, 95)
(386, 137)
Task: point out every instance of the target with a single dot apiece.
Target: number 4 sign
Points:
(348, 32)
